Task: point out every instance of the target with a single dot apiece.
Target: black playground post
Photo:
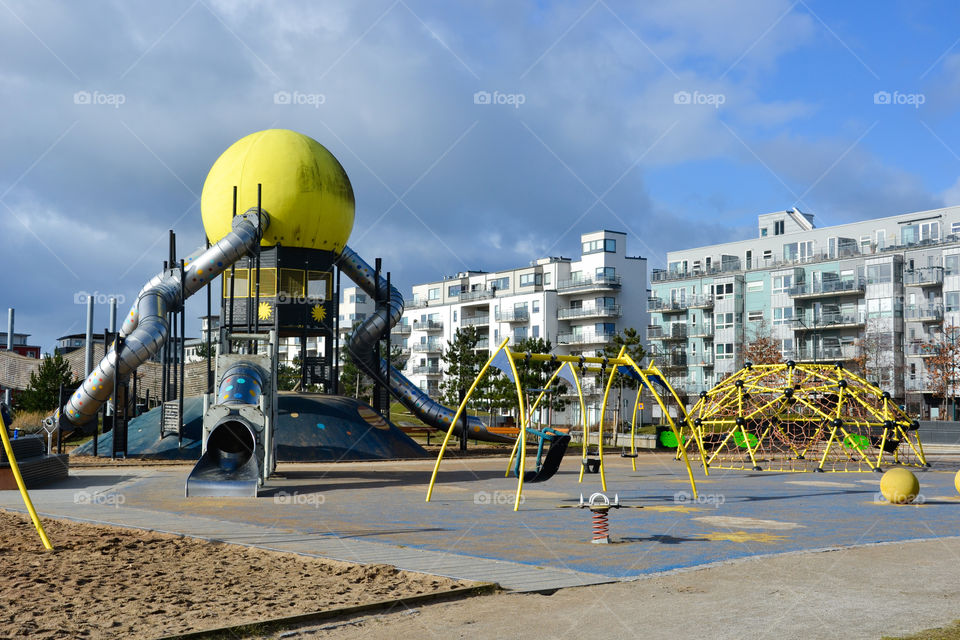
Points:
(463, 424)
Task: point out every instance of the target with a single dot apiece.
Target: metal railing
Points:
(472, 321)
(675, 331)
(470, 296)
(828, 288)
(426, 347)
(923, 277)
(666, 306)
(428, 325)
(610, 311)
(827, 320)
(825, 353)
(428, 369)
(589, 282)
(702, 330)
(401, 330)
(587, 337)
(924, 314)
(513, 315)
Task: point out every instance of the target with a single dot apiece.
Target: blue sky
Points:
(594, 129)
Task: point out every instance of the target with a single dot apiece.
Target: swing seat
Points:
(627, 454)
(591, 465)
(550, 464)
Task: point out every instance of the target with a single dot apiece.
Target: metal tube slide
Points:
(145, 327)
(361, 342)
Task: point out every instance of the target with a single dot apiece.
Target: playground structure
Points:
(297, 197)
(801, 417)
(572, 368)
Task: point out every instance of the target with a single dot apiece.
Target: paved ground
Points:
(375, 512)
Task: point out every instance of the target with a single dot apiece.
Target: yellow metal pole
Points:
(453, 423)
(523, 432)
(686, 416)
(583, 418)
(20, 484)
(603, 411)
(633, 429)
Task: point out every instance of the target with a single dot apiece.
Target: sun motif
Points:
(318, 313)
(265, 311)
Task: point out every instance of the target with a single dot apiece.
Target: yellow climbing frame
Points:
(578, 365)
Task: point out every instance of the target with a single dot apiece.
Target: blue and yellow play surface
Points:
(737, 514)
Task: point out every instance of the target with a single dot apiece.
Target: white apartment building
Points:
(826, 294)
(579, 305)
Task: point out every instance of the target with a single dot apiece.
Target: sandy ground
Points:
(864, 592)
(105, 582)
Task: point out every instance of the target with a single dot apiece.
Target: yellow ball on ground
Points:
(305, 190)
(899, 486)
(956, 481)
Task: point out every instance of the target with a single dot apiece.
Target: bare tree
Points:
(942, 363)
(763, 348)
(873, 351)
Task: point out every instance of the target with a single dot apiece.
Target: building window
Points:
(913, 233)
(782, 284)
(454, 315)
(606, 273)
(954, 228)
(951, 264)
(724, 350)
(778, 228)
(786, 347)
(798, 250)
(605, 302)
(536, 331)
(879, 273)
(755, 316)
(768, 254)
(454, 290)
(721, 290)
(499, 284)
(531, 279)
(953, 301)
(763, 232)
(782, 315)
(881, 235)
(723, 320)
(546, 279)
(536, 307)
(609, 245)
(755, 286)
(605, 328)
(520, 333)
(433, 294)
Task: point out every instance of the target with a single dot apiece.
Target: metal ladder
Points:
(170, 419)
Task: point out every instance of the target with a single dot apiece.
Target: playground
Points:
(374, 514)
(751, 497)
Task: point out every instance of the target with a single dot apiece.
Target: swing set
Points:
(552, 443)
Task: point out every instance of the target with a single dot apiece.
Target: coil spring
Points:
(601, 527)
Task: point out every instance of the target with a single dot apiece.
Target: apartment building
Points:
(878, 291)
(579, 305)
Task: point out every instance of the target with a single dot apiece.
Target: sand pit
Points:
(106, 582)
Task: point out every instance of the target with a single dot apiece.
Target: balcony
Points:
(483, 343)
(675, 331)
(702, 330)
(826, 353)
(417, 303)
(675, 306)
(473, 321)
(930, 313)
(401, 330)
(427, 369)
(827, 321)
(828, 288)
(426, 347)
(917, 385)
(585, 284)
(611, 311)
(513, 315)
(919, 348)
(587, 337)
(925, 277)
(472, 296)
(428, 325)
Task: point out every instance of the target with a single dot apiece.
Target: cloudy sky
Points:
(477, 135)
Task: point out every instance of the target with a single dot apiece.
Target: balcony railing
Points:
(472, 321)
(928, 313)
(483, 343)
(401, 330)
(513, 315)
(670, 306)
(470, 296)
(702, 330)
(920, 348)
(676, 331)
(417, 303)
(598, 282)
(828, 288)
(427, 347)
(825, 353)
(428, 325)
(828, 320)
(917, 385)
(587, 337)
(611, 311)
(924, 277)
(427, 369)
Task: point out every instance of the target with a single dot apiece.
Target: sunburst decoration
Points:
(318, 313)
(265, 311)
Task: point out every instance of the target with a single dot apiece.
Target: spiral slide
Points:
(361, 344)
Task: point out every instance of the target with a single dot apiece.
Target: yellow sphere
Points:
(304, 188)
(899, 486)
(956, 481)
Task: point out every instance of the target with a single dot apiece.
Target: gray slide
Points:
(145, 327)
(361, 342)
